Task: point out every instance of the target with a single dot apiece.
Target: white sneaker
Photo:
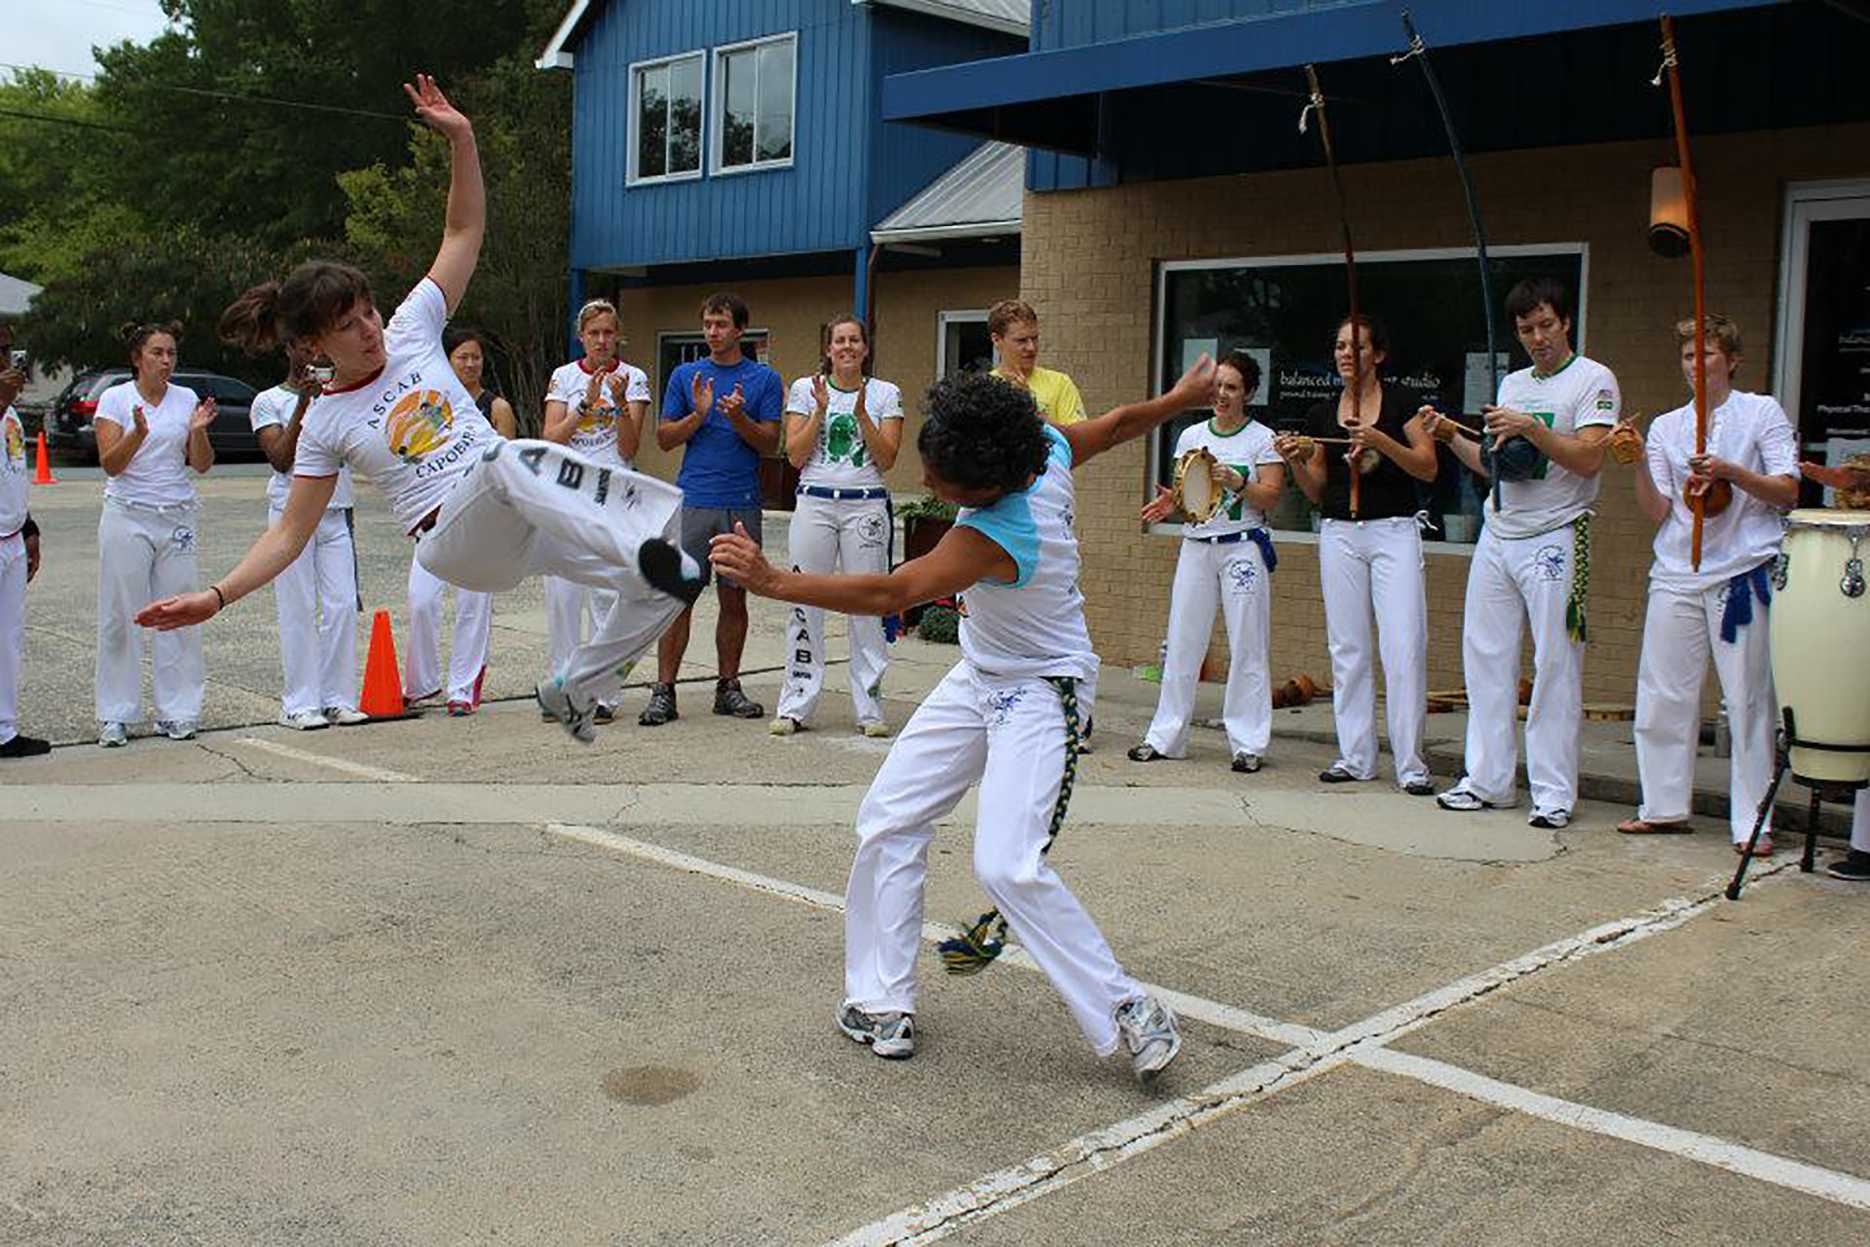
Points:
(345, 716)
(304, 721)
(1148, 1031)
(891, 1036)
(784, 725)
(1462, 800)
(1549, 820)
(176, 729)
(113, 736)
(556, 700)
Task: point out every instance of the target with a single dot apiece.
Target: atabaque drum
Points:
(1821, 644)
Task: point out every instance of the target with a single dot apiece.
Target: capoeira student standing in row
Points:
(1226, 561)
(316, 596)
(486, 513)
(843, 430)
(19, 561)
(1723, 607)
(595, 405)
(1533, 560)
(1006, 716)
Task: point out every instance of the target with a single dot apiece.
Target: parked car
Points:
(68, 422)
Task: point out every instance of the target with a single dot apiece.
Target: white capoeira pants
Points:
(1680, 631)
(12, 630)
(1513, 579)
(852, 536)
(1375, 567)
(572, 613)
(317, 602)
(531, 507)
(146, 553)
(1233, 577)
(1008, 735)
(1860, 821)
(473, 635)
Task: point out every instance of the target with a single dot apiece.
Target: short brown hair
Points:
(1005, 312)
(732, 304)
(1721, 330)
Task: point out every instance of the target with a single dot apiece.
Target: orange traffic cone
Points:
(42, 475)
(383, 687)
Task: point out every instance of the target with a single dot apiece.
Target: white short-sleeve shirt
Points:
(1245, 450)
(595, 434)
(412, 429)
(14, 483)
(1580, 394)
(158, 473)
(1748, 429)
(274, 407)
(841, 460)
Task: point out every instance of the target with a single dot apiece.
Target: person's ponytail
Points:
(251, 322)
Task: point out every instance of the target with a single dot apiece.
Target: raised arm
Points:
(267, 557)
(964, 556)
(466, 222)
(1090, 438)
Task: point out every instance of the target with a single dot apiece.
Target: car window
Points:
(224, 389)
(104, 382)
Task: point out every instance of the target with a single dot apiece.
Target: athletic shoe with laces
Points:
(1549, 820)
(304, 721)
(1247, 763)
(1144, 752)
(556, 700)
(1419, 788)
(891, 1036)
(1462, 800)
(1147, 1029)
(661, 707)
(345, 716)
(1337, 773)
(24, 747)
(113, 736)
(176, 729)
(671, 570)
(784, 725)
(1854, 867)
(602, 713)
(729, 700)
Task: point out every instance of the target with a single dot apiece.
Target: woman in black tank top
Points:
(469, 356)
(1370, 555)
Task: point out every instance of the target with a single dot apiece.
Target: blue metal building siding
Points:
(1077, 23)
(905, 158)
(814, 205)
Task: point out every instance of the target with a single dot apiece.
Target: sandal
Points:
(1643, 827)
(1763, 849)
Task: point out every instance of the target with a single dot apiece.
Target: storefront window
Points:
(1284, 311)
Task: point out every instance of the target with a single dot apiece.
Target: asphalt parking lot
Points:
(439, 981)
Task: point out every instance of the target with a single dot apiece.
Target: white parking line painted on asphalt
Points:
(346, 766)
(1839, 1188)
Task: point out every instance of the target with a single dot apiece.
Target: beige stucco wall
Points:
(1088, 266)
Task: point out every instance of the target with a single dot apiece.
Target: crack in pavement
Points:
(242, 767)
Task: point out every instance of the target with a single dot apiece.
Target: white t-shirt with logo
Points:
(274, 407)
(158, 474)
(1033, 625)
(841, 460)
(1748, 429)
(1580, 394)
(1244, 450)
(14, 483)
(413, 429)
(595, 434)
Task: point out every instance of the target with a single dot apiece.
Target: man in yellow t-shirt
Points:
(1014, 327)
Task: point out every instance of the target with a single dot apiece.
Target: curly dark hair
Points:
(982, 433)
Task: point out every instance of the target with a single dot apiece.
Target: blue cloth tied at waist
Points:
(1737, 613)
(1258, 536)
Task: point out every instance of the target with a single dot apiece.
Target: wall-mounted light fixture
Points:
(1668, 213)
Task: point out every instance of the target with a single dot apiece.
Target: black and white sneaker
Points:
(891, 1036)
(1147, 1028)
(661, 707)
(1462, 800)
(1419, 788)
(557, 701)
(1144, 752)
(1247, 763)
(670, 570)
(1854, 867)
(1337, 773)
(730, 700)
(1549, 820)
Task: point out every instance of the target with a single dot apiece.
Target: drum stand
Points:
(1822, 790)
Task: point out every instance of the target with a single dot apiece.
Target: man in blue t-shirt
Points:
(725, 410)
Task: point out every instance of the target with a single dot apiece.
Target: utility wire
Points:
(227, 95)
(69, 121)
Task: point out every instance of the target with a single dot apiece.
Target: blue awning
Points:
(1059, 87)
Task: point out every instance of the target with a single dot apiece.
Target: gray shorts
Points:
(700, 524)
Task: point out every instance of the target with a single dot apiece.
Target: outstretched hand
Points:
(180, 611)
(1839, 476)
(735, 556)
(1196, 386)
(433, 107)
(1161, 507)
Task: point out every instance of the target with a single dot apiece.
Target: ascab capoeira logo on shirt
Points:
(15, 445)
(419, 424)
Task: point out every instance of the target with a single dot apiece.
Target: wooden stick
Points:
(1669, 66)
(1317, 105)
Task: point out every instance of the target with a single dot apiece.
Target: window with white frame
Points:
(962, 344)
(665, 119)
(754, 92)
(1283, 311)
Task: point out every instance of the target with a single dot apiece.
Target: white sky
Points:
(59, 34)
